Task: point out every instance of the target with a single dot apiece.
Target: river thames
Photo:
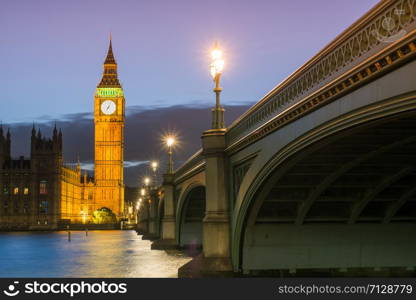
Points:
(100, 254)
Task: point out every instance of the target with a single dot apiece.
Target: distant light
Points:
(143, 192)
(146, 180)
(154, 165)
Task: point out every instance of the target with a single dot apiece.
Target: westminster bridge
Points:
(319, 175)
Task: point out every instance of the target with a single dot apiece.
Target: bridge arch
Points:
(268, 171)
(189, 216)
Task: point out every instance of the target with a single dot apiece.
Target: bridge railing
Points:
(376, 30)
(194, 161)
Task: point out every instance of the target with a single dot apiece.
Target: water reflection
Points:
(100, 254)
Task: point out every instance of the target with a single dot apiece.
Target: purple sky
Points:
(52, 53)
(52, 50)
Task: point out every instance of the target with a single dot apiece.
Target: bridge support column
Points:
(168, 238)
(152, 234)
(143, 221)
(215, 260)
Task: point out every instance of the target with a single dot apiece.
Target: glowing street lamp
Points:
(143, 192)
(170, 142)
(146, 181)
(154, 165)
(216, 68)
(217, 65)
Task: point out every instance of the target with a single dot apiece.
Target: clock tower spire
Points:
(110, 78)
(109, 119)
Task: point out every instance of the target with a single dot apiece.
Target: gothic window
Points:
(43, 187)
(26, 191)
(6, 205)
(43, 207)
(6, 189)
(16, 191)
(26, 208)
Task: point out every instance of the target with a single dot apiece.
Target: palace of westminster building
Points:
(41, 192)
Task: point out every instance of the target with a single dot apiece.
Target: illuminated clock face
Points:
(108, 107)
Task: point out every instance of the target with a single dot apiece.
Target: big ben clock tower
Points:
(109, 139)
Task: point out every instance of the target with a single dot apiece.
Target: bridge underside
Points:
(190, 235)
(346, 204)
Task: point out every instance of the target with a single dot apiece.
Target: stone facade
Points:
(41, 193)
(31, 188)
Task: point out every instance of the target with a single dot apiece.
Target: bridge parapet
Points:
(376, 31)
(194, 163)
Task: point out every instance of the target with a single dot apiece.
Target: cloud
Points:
(143, 136)
(130, 164)
(89, 166)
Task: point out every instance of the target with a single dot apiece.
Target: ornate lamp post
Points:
(216, 223)
(146, 182)
(170, 142)
(216, 67)
(154, 164)
(168, 218)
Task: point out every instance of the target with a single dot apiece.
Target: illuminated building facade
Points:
(41, 192)
(109, 139)
(30, 188)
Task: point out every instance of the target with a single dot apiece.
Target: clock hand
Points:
(108, 107)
